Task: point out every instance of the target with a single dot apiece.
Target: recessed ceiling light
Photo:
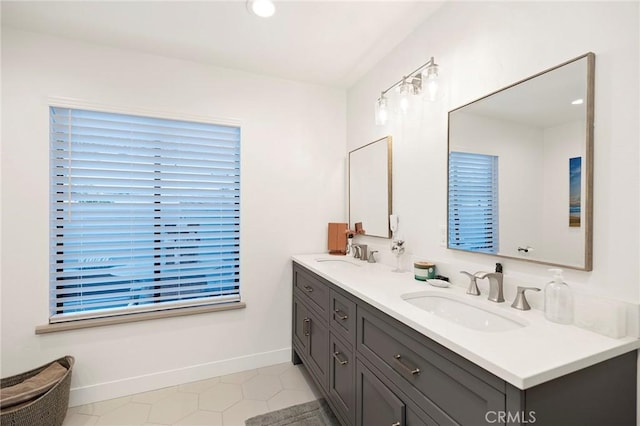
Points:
(261, 8)
(577, 102)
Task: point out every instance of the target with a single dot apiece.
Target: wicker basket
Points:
(49, 409)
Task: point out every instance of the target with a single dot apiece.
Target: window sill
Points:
(143, 316)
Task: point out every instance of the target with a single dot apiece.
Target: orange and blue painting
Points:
(575, 191)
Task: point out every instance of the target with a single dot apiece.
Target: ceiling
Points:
(332, 43)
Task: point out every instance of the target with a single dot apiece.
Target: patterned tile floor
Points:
(221, 401)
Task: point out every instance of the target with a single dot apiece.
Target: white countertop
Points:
(525, 357)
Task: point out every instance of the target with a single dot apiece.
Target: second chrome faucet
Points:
(496, 293)
(360, 251)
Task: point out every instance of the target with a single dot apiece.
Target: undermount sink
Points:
(337, 261)
(459, 311)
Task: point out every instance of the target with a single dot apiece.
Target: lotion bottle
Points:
(558, 300)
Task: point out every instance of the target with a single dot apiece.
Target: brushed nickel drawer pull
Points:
(396, 424)
(340, 361)
(412, 371)
(341, 315)
(308, 289)
(306, 327)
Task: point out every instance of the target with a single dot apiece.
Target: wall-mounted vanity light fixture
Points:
(423, 80)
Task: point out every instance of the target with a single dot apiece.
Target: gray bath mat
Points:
(314, 413)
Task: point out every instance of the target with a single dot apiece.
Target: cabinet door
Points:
(342, 386)
(376, 404)
(318, 348)
(301, 329)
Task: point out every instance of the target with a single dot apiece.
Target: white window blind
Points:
(473, 202)
(145, 214)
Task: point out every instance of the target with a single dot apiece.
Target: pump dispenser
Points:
(558, 300)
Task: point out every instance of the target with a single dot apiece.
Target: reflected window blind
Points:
(144, 213)
(473, 202)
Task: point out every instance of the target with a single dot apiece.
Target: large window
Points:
(145, 214)
(473, 202)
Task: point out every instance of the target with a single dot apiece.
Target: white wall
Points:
(293, 150)
(482, 47)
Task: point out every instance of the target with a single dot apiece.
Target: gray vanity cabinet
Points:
(323, 334)
(375, 370)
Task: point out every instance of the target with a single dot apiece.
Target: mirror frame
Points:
(389, 141)
(588, 164)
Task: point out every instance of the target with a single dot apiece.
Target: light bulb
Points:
(406, 91)
(262, 8)
(382, 114)
(430, 80)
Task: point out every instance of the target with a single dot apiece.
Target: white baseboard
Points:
(132, 385)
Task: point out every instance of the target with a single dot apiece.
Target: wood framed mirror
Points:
(370, 193)
(520, 165)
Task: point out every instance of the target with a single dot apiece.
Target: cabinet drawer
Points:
(343, 316)
(313, 290)
(437, 384)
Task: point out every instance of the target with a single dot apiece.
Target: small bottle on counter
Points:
(558, 300)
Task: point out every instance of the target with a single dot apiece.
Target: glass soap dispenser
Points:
(558, 300)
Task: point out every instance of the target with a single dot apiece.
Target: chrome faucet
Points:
(520, 301)
(364, 253)
(473, 284)
(495, 286)
(360, 251)
(495, 283)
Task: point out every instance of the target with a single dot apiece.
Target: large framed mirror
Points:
(520, 168)
(370, 187)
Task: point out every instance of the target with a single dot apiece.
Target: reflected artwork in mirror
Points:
(514, 186)
(370, 187)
